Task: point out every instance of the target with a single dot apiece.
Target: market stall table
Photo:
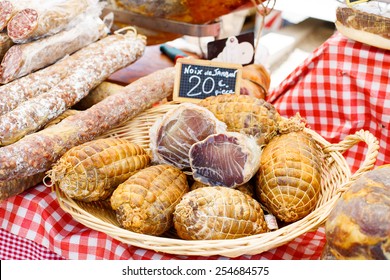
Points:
(341, 88)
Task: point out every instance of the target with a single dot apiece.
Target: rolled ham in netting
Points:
(109, 55)
(48, 18)
(23, 59)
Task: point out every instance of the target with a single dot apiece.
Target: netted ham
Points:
(218, 213)
(172, 136)
(245, 114)
(255, 81)
(145, 202)
(92, 171)
(358, 226)
(289, 178)
(227, 159)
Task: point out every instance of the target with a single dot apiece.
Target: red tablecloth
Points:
(344, 86)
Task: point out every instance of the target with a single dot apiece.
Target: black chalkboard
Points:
(198, 79)
(353, 2)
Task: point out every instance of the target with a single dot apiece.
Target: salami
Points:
(10, 7)
(22, 59)
(6, 12)
(109, 55)
(46, 19)
(41, 81)
(35, 153)
(13, 187)
(12, 94)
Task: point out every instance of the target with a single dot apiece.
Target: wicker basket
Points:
(336, 177)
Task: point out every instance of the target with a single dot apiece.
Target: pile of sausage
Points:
(61, 50)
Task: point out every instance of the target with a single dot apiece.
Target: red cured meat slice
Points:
(23, 23)
(172, 137)
(228, 159)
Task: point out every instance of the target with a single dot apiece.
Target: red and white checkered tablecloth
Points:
(36, 215)
(344, 86)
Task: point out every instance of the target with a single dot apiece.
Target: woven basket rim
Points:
(249, 245)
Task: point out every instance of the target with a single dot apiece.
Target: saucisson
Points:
(109, 55)
(47, 19)
(35, 153)
(9, 8)
(41, 81)
(16, 186)
(22, 59)
(6, 10)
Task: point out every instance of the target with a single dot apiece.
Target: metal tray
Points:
(165, 25)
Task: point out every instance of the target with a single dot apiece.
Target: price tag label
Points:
(235, 49)
(198, 79)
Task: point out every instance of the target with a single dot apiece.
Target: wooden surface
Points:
(151, 61)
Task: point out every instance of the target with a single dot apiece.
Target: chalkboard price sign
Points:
(354, 2)
(198, 79)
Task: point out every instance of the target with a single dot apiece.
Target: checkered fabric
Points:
(13, 247)
(341, 88)
(35, 215)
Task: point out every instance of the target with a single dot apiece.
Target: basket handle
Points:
(350, 141)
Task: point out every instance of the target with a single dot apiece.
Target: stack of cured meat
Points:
(54, 53)
(37, 33)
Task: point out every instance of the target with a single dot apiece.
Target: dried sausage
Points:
(6, 11)
(46, 19)
(109, 55)
(22, 59)
(41, 81)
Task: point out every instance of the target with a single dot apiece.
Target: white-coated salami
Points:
(14, 93)
(9, 8)
(109, 55)
(46, 19)
(16, 186)
(22, 59)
